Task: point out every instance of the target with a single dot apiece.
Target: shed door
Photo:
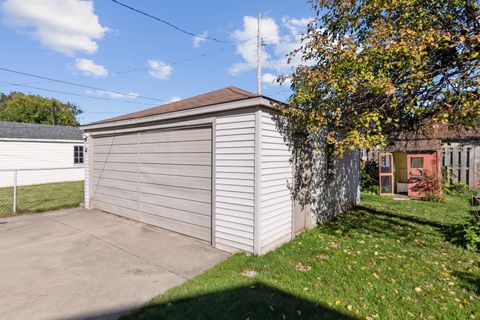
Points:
(162, 178)
(417, 165)
(385, 173)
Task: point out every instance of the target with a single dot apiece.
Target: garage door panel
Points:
(117, 184)
(118, 175)
(174, 181)
(178, 215)
(116, 140)
(112, 166)
(162, 178)
(119, 158)
(115, 209)
(177, 170)
(177, 158)
(176, 147)
(122, 202)
(126, 194)
(123, 149)
(175, 192)
(188, 229)
(180, 204)
(198, 134)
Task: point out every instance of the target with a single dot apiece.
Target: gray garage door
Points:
(161, 178)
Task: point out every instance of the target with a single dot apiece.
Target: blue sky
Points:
(103, 45)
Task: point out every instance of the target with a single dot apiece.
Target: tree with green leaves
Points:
(374, 70)
(20, 107)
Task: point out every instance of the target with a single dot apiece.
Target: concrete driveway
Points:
(79, 264)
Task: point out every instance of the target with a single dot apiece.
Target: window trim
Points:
(78, 155)
(416, 158)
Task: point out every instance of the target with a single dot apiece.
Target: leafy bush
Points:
(468, 234)
(369, 176)
(430, 185)
(456, 189)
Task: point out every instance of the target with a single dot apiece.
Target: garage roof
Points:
(228, 94)
(17, 130)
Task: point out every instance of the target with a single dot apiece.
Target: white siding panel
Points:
(235, 180)
(276, 202)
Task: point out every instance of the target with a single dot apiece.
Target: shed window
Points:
(78, 154)
(416, 162)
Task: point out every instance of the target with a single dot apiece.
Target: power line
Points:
(176, 27)
(81, 85)
(73, 94)
(136, 69)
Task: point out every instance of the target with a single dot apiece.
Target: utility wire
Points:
(74, 94)
(136, 69)
(171, 25)
(81, 85)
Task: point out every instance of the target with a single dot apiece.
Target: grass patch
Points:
(41, 198)
(383, 260)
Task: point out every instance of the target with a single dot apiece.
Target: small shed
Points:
(214, 167)
(405, 163)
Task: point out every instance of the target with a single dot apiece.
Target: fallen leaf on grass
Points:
(322, 256)
(302, 267)
(334, 245)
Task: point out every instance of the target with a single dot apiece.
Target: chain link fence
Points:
(39, 190)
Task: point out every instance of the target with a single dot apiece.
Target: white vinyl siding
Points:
(86, 190)
(235, 181)
(46, 162)
(339, 194)
(276, 176)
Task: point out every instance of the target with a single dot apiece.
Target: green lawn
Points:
(384, 260)
(40, 198)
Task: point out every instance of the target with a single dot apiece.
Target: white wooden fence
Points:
(459, 163)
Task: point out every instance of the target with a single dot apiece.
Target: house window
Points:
(78, 154)
(416, 162)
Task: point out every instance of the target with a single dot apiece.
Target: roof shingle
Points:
(228, 94)
(17, 130)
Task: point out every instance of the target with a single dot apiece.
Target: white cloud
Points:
(280, 41)
(90, 68)
(174, 99)
(65, 26)
(248, 49)
(159, 70)
(270, 79)
(197, 41)
(112, 95)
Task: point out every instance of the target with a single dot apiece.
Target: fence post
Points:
(14, 191)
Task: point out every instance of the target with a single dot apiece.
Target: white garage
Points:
(213, 167)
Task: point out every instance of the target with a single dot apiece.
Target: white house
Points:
(40, 153)
(214, 167)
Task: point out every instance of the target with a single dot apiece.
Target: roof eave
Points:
(261, 101)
